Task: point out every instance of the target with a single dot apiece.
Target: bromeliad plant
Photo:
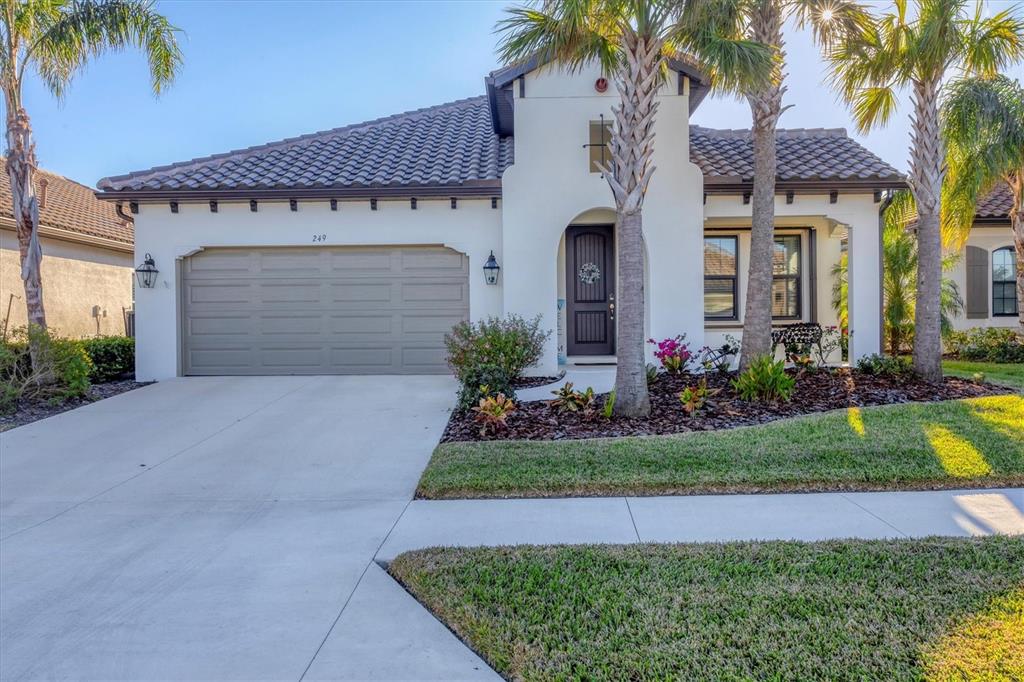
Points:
(492, 414)
(674, 354)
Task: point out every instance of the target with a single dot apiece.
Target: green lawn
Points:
(1005, 373)
(942, 609)
(962, 443)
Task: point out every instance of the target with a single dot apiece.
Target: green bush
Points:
(58, 370)
(986, 344)
(765, 380)
(113, 357)
(484, 381)
(512, 343)
(884, 365)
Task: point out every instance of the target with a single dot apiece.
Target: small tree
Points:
(632, 40)
(983, 124)
(918, 50)
(56, 38)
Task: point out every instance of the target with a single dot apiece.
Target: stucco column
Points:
(865, 282)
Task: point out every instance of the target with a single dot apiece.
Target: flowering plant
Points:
(674, 353)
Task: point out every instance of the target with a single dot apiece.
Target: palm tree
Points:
(899, 278)
(917, 51)
(983, 124)
(761, 21)
(56, 38)
(632, 40)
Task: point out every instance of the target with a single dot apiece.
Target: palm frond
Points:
(983, 126)
(64, 40)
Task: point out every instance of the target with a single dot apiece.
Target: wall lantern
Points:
(491, 269)
(147, 272)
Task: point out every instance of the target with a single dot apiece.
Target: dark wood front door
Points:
(590, 289)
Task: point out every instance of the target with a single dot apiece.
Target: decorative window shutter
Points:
(976, 303)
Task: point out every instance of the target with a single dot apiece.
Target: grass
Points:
(942, 609)
(962, 443)
(1005, 373)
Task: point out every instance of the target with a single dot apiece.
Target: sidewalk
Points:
(706, 518)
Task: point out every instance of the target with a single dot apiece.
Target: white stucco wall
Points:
(473, 228)
(853, 215)
(990, 239)
(550, 187)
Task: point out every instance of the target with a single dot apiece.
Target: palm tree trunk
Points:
(926, 157)
(1017, 222)
(21, 163)
(765, 108)
(631, 398)
(632, 145)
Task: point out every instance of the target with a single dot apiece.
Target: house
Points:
(353, 250)
(986, 272)
(87, 260)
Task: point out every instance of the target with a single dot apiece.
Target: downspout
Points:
(119, 209)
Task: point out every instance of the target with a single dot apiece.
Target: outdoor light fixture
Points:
(147, 272)
(491, 269)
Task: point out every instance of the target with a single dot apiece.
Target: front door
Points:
(590, 289)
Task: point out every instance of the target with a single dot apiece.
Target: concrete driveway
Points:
(218, 528)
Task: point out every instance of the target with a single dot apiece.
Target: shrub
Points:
(884, 365)
(986, 344)
(765, 380)
(492, 414)
(568, 399)
(113, 357)
(59, 369)
(484, 381)
(695, 398)
(674, 353)
(652, 374)
(512, 343)
(608, 409)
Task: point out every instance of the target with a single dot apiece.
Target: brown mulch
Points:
(33, 410)
(819, 391)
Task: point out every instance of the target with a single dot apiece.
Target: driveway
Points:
(218, 528)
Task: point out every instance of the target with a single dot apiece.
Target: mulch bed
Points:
(33, 410)
(819, 391)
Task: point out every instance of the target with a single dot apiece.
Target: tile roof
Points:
(453, 145)
(73, 207)
(446, 145)
(996, 204)
(803, 154)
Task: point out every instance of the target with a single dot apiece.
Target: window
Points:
(786, 278)
(720, 278)
(600, 134)
(1004, 282)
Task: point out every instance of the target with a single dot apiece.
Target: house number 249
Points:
(319, 238)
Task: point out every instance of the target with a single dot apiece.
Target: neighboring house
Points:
(87, 260)
(987, 270)
(353, 250)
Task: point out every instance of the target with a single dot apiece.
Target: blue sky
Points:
(258, 71)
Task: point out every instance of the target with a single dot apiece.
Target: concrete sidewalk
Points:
(704, 518)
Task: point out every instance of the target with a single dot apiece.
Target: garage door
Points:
(321, 310)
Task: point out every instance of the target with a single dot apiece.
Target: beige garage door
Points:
(321, 310)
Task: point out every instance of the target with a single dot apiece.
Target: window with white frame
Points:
(1004, 282)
